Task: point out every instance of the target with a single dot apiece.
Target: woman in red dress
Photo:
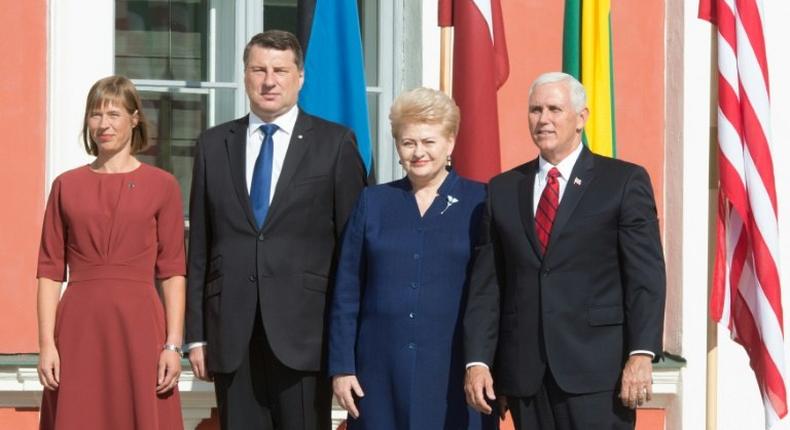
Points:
(109, 349)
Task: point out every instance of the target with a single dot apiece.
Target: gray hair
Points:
(576, 89)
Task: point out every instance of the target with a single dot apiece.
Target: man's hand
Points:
(479, 388)
(197, 358)
(636, 387)
(345, 387)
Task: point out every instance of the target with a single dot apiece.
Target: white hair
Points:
(575, 88)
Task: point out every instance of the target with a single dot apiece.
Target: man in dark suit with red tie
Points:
(271, 193)
(566, 299)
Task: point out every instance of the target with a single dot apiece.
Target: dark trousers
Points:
(554, 409)
(264, 394)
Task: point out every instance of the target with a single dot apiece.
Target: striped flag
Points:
(746, 293)
(334, 83)
(587, 56)
(480, 67)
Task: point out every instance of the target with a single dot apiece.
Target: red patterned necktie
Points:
(547, 208)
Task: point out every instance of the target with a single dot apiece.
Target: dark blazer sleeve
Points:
(198, 248)
(350, 179)
(481, 317)
(641, 265)
(347, 294)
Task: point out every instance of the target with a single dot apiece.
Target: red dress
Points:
(115, 233)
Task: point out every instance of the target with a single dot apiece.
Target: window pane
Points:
(175, 120)
(279, 15)
(369, 22)
(161, 39)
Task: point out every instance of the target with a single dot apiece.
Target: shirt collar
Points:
(284, 122)
(565, 166)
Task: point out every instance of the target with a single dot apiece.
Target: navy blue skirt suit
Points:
(395, 316)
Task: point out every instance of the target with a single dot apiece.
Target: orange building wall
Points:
(23, 42)
(18, 418)
(534, 39)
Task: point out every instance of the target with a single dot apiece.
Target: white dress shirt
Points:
(281, 138)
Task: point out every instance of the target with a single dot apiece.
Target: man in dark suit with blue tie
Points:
(566, 298)
(271, 193)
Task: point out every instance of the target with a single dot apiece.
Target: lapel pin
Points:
(298, 136)
(577, 181)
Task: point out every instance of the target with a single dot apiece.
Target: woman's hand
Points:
(168, 371)
(345, 388)
(49, 367)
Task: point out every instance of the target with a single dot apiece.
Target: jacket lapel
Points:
(236, 144)
(581, 177)
(526, 189)
(297, 147)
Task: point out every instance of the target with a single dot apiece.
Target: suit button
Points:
(411, 315)
(546, 272)
(416, 256)
(261, 237)
(412, 345)
(414, 285)
(252, 278)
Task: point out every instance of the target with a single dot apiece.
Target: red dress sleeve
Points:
(170, 260)
(52, 252)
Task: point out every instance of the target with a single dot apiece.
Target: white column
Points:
(80, 51)
(430, 44)
(693, 171)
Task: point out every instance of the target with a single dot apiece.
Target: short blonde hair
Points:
(425, 106)
(121, 91)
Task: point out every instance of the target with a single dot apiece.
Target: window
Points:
(184, 59)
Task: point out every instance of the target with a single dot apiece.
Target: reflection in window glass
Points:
(161, 39)
(369, 22)
(279, 15)
(175, 120)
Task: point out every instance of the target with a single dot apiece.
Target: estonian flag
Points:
(334, 86)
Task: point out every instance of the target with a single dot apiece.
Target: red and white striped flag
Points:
(746, 294)
(480, 67)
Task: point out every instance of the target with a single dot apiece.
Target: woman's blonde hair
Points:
(425, 105)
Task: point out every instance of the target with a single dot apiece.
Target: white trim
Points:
(390, 57)
(20, 387)
(81, 49)
(696, 74)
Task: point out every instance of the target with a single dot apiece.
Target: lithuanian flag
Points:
(587, 55)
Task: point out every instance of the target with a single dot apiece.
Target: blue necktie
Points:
(262, 175)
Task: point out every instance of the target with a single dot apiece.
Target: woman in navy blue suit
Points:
(395, 327)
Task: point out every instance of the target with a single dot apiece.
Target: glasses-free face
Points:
(111, 127)
(554, 124)
(272, 81)
(423, 150)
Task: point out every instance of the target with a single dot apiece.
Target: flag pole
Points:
(711, 400)
(445, 61)
(712, 356)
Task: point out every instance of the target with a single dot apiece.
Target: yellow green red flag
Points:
(587, 55)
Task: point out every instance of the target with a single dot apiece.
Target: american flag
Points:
(746, 293)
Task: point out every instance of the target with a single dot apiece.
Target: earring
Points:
(400, 162)
(449, 165)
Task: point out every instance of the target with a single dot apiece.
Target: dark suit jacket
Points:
(285, 267)
(596, 295)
